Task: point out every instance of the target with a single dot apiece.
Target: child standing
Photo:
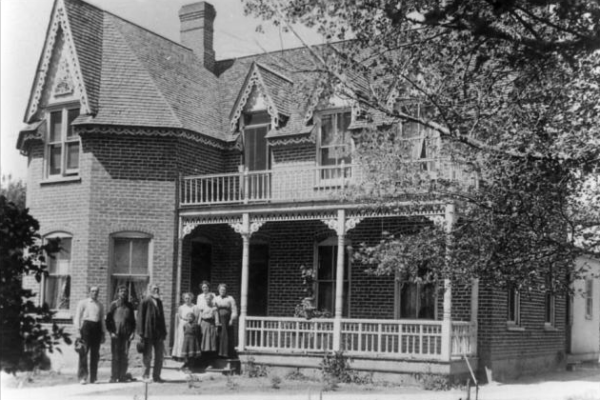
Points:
(191, 347)
(209, 320)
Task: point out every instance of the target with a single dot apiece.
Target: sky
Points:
(23, 25)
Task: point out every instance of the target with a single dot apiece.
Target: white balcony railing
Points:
(293, 182)
(394, 339)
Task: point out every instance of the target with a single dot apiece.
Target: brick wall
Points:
(127, 183)
(532, 347)
(62, 207)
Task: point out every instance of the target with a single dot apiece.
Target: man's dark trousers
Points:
(91, 333)
(159, 349)
(119, 347)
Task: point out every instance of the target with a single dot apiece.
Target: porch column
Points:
(450, 217)
(180, 235)
(474, 312)
(245, 274)
(339, 280)
(245, 229)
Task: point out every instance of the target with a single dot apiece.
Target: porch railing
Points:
(395, 339)
(290, 182)
(389, 338)
(289, 335)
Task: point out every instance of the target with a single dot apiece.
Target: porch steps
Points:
(225, 366)
(228, 366)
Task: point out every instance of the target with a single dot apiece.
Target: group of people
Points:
(206, 326)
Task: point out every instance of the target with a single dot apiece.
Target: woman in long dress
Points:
(180, 320)
(228, 313)
(209, 321)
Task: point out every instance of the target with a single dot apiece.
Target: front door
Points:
(258, 280)
(201, 265)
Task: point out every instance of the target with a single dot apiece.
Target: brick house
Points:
(155, 162)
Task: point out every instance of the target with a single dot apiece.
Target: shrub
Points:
(254, 370)
(336, 366)
(276, 382)
(434, 382)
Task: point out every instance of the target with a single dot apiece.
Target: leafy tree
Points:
(14, 191)
(23, 336)
(505, 96)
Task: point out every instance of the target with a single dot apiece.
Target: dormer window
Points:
(334, 144)
(63, 144)
(423, 142)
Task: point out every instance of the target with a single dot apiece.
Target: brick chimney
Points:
(197, 31)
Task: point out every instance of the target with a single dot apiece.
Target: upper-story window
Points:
(63, 145)
(334, 145)
(256, 128)
(422, 142)
(56, 285)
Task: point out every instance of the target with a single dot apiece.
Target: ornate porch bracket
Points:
(350, 223)
(253, 227)
(188, 227)
(438, 220)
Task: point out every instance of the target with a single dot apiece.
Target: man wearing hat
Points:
(120, 323)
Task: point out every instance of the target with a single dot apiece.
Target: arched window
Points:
(56, 286)
(130, 263)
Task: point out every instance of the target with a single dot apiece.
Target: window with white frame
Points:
(326, 277)
(550, 305)
(131, 254)
(334, 145)
(589, 298)
(56, 285)
(514, 307)
(63, 144)
(422, 143)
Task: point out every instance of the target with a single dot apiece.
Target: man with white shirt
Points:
(90, 325)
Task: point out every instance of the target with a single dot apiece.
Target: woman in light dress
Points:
(227, 311)
(180, 320)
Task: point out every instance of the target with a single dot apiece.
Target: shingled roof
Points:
(133, 77)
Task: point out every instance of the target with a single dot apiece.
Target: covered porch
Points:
(375, 339)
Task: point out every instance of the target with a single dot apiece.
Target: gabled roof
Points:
(273, 86)
(129, 76)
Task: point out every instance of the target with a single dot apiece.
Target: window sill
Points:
(62, 179)
(550, 328)
(514, 328)
(62, 315)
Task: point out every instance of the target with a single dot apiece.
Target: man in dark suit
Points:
(152, 330)
(120, 323)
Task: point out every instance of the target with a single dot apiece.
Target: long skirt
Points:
(209, 336)
(177, 352)
(225, 334)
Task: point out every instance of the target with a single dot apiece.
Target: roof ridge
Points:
(269, 69)
(133, 23)
(148, 74)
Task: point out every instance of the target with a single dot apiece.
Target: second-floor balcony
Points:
(296, 183)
